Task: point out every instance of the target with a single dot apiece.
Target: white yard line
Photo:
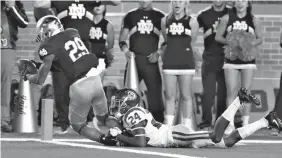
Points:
(67, 142)
(89, 141)
(127, 150)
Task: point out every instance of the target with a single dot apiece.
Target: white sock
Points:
(169, 119)
(230, 112)
(252, 128)
(246, 120)
(187, 122)
(221, 144)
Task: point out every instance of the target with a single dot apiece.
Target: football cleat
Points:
(245, 97)
(274, 121)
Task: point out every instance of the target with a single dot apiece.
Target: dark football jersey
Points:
(235, 23)
(178, 53)
(208, 19)
(72, 57)
(98, 36)
(144, 29)
(75, 14)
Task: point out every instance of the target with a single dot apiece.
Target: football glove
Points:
(115, 131)
(108, 140)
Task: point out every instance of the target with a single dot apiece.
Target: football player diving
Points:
(144, 131)
(64, 50)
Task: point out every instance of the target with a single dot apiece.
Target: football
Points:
(26, 66)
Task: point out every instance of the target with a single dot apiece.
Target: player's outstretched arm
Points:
(139, 139)
(44, 69)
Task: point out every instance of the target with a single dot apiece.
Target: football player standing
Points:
(73, 14)
(65, 50)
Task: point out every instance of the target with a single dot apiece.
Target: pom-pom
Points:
(240, 46)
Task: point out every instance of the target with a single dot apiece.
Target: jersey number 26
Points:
(76, 48)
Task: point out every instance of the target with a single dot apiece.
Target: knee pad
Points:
(78, 127)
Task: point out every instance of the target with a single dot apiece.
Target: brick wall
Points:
(269, 62)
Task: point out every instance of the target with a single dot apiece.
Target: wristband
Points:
(121, 44)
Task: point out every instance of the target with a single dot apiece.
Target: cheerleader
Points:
(240, 18)
(180, 31)
(101, 37)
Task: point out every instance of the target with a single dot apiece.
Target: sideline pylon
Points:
(25, 120)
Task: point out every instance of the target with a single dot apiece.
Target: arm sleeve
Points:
(159, 23)
(126, 22)
(18, 15)
(43, 51)
(200, 20)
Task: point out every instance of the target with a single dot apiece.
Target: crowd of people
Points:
(76, 43)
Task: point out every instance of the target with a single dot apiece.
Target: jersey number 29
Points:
(76, 48)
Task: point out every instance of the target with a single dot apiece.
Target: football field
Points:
(261, 145)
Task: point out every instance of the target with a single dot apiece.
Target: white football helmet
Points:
(47, 26)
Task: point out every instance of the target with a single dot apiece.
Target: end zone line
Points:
(88, 141)
(67, 142)
(261, 141)
(120, 149)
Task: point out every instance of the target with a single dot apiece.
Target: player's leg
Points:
(100, 106)
(80, 103)
(247, 77)
(228, 115)
(186, 102)
(231, 78)
(270, 120)
(170, 95)
(183, 136)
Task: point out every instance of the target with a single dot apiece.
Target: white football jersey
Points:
(159, 134)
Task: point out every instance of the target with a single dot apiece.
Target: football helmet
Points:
(123, 100)
(47, 26)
